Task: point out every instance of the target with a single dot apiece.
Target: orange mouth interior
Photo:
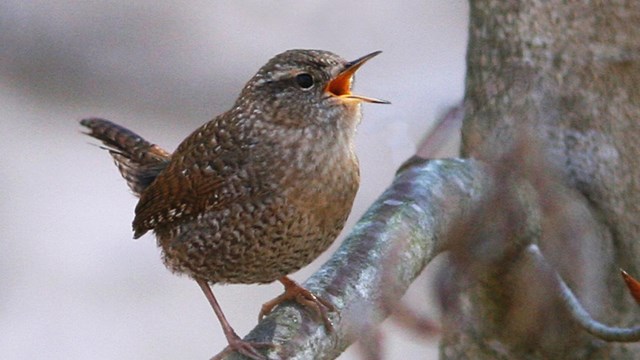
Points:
(341, 85)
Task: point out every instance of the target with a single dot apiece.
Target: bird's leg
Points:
(235, 342)
(293, 291)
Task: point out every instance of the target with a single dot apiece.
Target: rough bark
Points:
(569, 72)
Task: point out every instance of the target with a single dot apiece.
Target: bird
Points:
(258, 192)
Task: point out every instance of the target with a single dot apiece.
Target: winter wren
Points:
(261, 190)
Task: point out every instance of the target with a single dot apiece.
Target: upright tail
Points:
(138, 160)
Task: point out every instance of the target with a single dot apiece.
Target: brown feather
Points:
(138, 160)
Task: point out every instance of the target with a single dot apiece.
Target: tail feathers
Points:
(138, 160)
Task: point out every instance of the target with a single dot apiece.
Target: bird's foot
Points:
(245, 348)
(293, 291)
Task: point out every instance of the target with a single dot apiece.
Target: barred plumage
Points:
(261, 190)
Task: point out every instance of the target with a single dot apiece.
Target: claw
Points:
(245, 348)
(293, 291)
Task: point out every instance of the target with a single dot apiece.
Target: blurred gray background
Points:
(73, 284)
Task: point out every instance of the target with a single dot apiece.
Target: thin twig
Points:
(578, 312)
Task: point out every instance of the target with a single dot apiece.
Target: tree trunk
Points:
(568, 72)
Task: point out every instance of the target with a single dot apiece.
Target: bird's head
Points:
(300, 88)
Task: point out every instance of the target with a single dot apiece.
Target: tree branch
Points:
(578, 312)
(395, 239)
(402, 230)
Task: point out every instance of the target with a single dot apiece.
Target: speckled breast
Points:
(264, 239)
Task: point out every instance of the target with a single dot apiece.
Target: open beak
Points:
(340, 85)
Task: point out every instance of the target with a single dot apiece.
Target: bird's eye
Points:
(304, 80)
